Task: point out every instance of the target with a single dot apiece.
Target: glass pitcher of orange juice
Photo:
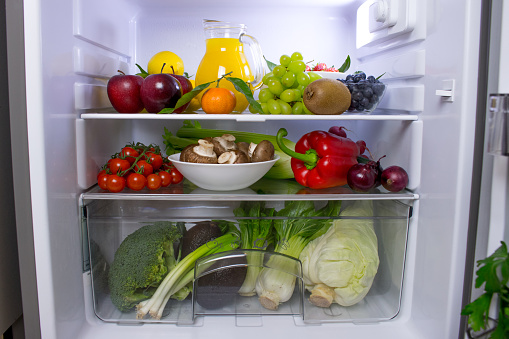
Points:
(225, 53)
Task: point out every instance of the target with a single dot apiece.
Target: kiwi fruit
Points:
(326, 97)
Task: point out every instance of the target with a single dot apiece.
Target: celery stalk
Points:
(192, 130)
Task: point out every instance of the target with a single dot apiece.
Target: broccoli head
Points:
(141, 262)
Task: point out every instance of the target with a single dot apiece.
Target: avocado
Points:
(220, 286)
(201, 233)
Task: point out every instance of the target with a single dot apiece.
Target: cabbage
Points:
(340, 265)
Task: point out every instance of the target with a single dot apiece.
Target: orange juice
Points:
(224, 55)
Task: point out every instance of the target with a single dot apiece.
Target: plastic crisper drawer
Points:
(108, 222)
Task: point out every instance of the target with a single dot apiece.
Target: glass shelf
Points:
(246, 117)
(263, 190)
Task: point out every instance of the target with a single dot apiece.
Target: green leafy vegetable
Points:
(340, 265)
(493, 272)
(255, 233)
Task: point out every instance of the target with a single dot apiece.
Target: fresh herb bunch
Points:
(494, 274)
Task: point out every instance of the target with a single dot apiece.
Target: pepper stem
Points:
(310, 158)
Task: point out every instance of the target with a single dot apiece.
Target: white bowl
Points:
(330, 75)
(222, 177)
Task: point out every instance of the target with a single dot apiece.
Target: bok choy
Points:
(299, 223)
(255, 234)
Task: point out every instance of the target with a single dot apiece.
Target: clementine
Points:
(218, 100)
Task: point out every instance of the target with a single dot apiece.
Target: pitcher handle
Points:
(259, 61)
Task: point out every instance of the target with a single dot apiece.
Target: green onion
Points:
(182, 274)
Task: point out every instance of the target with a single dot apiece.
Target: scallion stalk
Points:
(181, 275)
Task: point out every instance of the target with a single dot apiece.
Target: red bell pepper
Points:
(321, 159)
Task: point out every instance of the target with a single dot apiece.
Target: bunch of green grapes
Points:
(284, 86)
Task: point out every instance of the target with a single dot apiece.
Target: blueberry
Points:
(362, 75)
(368, 92)
(357, 96)
(374, 98)
(364, 102)
(349, 77)
(371, 78)
(378, 88)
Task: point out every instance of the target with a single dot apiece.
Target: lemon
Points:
(169, 60)
(195, 103)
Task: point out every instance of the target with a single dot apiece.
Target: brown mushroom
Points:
(244, 147)
(184, 155)
(263, 151)
(202, 153)
(233, 157)
(224, 143)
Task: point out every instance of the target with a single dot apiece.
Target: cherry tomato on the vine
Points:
(145, 166)
(115, 183)
(176, 176)
(165, 178)
(118, 165)
(136, 181)
(129, 154)
(102, 181)
(156, 160)
(101, 173)
(153, 181)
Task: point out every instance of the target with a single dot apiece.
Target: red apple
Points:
(186, 87)
(124, 93)
(160, 91)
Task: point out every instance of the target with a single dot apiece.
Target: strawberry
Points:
(308, 68)
(332, 69)
(320, 67)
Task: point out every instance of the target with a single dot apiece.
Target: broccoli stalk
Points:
(141, 262)
(182, 274)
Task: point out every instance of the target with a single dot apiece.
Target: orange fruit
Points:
(218, 100)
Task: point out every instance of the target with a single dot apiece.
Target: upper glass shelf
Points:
(245, 117)
(263, 190)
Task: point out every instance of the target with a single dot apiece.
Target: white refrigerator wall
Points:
(72, 47)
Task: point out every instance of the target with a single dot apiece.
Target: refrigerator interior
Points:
(423, 124)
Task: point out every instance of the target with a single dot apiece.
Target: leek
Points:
(191, 131)
(298, 224)
(256, 233)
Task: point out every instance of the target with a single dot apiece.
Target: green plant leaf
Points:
(270, 64)
(187, 97)
(381, 75)
(241, 86)
(142, 73)
(345, 66)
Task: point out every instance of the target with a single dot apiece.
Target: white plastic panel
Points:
(406, 98)
(401, 66)
(92, 61)
(90, 96)
(104, 23)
